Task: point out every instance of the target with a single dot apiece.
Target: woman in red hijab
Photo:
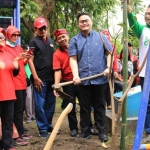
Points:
(19, 81)
(8, 68)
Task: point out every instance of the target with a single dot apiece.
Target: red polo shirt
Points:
(61, 62)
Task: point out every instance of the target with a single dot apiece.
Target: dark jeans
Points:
(118, 86)
(147, 119)
(96, 93)
(72, 91)
(19, 109)
(6, 114)
(44, 106)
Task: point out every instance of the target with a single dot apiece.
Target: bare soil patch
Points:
(63, 141)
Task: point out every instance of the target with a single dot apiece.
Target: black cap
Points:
(130, 44)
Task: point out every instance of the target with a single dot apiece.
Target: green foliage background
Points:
(63, 15)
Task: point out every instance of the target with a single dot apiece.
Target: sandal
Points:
(21, 142)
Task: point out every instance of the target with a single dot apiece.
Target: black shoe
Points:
(25, 129)
(32, 118)
(82, 135)
(73, 132)
(51, 129)
(103, 137)
(92, 132)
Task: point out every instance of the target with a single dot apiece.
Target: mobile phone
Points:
(31, 49)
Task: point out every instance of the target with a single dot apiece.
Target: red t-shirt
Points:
(133, 57)
(61, 61)
(7, 88)
(20, 79)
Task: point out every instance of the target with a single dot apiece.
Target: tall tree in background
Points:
(60, 13)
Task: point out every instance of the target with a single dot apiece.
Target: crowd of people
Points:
(31, 75)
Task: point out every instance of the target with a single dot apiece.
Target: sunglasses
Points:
(2, 37)
(42, 28)
(18, 35)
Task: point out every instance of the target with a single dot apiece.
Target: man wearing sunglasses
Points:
(43, 77)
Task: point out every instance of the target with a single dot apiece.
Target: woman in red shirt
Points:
(8, 67)
(19, 81)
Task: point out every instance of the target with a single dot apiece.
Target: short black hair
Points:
(130, 44)
(83, 13)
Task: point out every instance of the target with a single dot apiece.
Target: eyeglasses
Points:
(42, 28)
(82, 21)
(2, 37)
(18, 35)
(147, 13)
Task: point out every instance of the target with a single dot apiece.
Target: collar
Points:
(40, 37)
(61, 49)
(90, 33)
(11, 44)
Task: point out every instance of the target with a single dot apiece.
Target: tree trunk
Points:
(46, 8)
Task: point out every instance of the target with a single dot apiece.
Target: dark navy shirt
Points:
(91, 56)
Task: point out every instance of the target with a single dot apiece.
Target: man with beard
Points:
(143, 33)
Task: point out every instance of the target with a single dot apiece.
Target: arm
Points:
(119, 78)
(106, 71)
(74, 68)
(28, 56)
(57, 77)
(37, 81)
(134, 25)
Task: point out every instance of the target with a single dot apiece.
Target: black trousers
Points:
(108, 97)
(72, 91)
(19, 109)
(6, 114)
(95, 94)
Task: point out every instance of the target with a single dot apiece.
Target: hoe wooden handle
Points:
(54, 86)
(57, 126)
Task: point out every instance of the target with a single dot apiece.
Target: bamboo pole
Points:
(125, 76)
(114, 145)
